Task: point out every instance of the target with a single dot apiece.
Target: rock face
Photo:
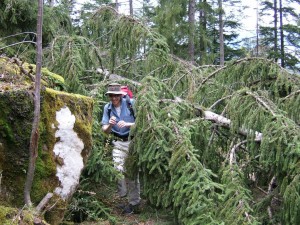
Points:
(65, 141)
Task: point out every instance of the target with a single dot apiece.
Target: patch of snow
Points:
(68, 149)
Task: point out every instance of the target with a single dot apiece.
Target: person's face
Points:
(115, 99)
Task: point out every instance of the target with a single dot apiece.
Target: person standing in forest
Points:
(117, 119)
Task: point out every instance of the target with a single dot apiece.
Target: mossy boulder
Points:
(64, 144)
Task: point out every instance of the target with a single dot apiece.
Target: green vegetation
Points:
(214, 144)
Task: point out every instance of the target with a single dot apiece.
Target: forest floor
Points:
(148, 214)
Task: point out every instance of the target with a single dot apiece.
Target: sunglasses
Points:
(113, 95)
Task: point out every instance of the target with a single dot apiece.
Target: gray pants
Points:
(125, 185)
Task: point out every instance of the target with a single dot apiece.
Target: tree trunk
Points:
(117, 6)
(192, 5)
(281, 36)
(275, 31)
(221, 36)
(33, 148)
(203, 24)
(130, 8)
(257, 29)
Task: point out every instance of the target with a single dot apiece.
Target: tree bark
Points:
(203, 34)
(191, 47)
(275, 31)
(130, 8)
(117, 6)
(281, 36)
(33, 148)
(221, 35)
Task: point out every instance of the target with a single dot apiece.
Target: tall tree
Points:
(282, 59)
(203, 37)
(117, 5)
(130, 8)
(221, 35)
(275, 31)
(171, 21)
(287, 17)
(191, 46)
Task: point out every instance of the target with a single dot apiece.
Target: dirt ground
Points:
(148, 214)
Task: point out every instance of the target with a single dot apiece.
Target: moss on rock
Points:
(16, 116)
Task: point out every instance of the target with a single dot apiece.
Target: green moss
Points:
(13, 216)
(55, 215)
(7, 215)
(16, 117)
(13, 75)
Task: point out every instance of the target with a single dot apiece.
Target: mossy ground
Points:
(13, 216)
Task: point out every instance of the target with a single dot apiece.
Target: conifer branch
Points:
(224, 67)
(115, 77)
(291, 95)
(218, 119)
(219, 101)
(103, 8)
(262, 102)
(188, 65)
(232, 158)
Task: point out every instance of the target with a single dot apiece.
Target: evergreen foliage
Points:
(207, 171)
(18, 26)
(208, 168)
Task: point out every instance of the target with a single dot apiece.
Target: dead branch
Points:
(218, 119)
(44, 202)
(232, 158)
(19, 64)
(17, 43)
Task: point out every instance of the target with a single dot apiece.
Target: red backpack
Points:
(127, 90)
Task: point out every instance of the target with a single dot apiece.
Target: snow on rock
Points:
(68, 149)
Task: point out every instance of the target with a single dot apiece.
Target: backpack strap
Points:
(109, 110)
(129, 106)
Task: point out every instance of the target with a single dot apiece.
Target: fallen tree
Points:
(227, 152)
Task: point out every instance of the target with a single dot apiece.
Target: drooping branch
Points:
(290, 95)
(218, 119)
(224, 67)
(219, 101)
(262, 102)
(115, 77)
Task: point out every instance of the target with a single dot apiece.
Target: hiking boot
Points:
(121, 206)
(131, 209)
